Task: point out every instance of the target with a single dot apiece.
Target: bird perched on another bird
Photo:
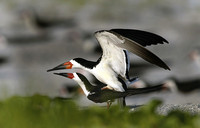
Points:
(97, 95)
(114, 61)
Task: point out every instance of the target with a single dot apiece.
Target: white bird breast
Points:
(78, 80)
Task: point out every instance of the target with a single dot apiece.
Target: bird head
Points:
(74, 63)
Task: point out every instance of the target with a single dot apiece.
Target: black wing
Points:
(142, 37)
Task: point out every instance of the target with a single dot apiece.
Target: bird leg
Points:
(106, 87)
(109, 103)
(121, 102)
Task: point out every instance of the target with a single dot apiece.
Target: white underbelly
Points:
(107, 76)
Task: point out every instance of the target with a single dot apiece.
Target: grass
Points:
(43, 112)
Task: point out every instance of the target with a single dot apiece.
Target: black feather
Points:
(141, 37)
(87, 63)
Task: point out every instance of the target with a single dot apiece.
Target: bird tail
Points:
(135, 91)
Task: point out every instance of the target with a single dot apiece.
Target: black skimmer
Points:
(195, 56)
(33, 21)
(4, 50)
(99, 95)
(185, 86)
(114, 61)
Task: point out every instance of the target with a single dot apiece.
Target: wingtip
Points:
(168, 69)
(165, 41)
(165, 66)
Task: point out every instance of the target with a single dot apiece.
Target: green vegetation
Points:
(43, 112)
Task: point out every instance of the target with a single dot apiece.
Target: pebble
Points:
(191, 108)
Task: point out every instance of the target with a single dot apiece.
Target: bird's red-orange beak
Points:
(66, 65)
(68, 75)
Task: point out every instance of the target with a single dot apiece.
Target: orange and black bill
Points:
(66, 65)
(68, 75)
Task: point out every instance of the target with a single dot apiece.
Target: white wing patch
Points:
(113, 55)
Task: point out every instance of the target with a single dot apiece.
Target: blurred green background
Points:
(42, 112)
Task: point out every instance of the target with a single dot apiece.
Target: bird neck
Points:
(81, 83)
(88, 86)
(86, 63)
